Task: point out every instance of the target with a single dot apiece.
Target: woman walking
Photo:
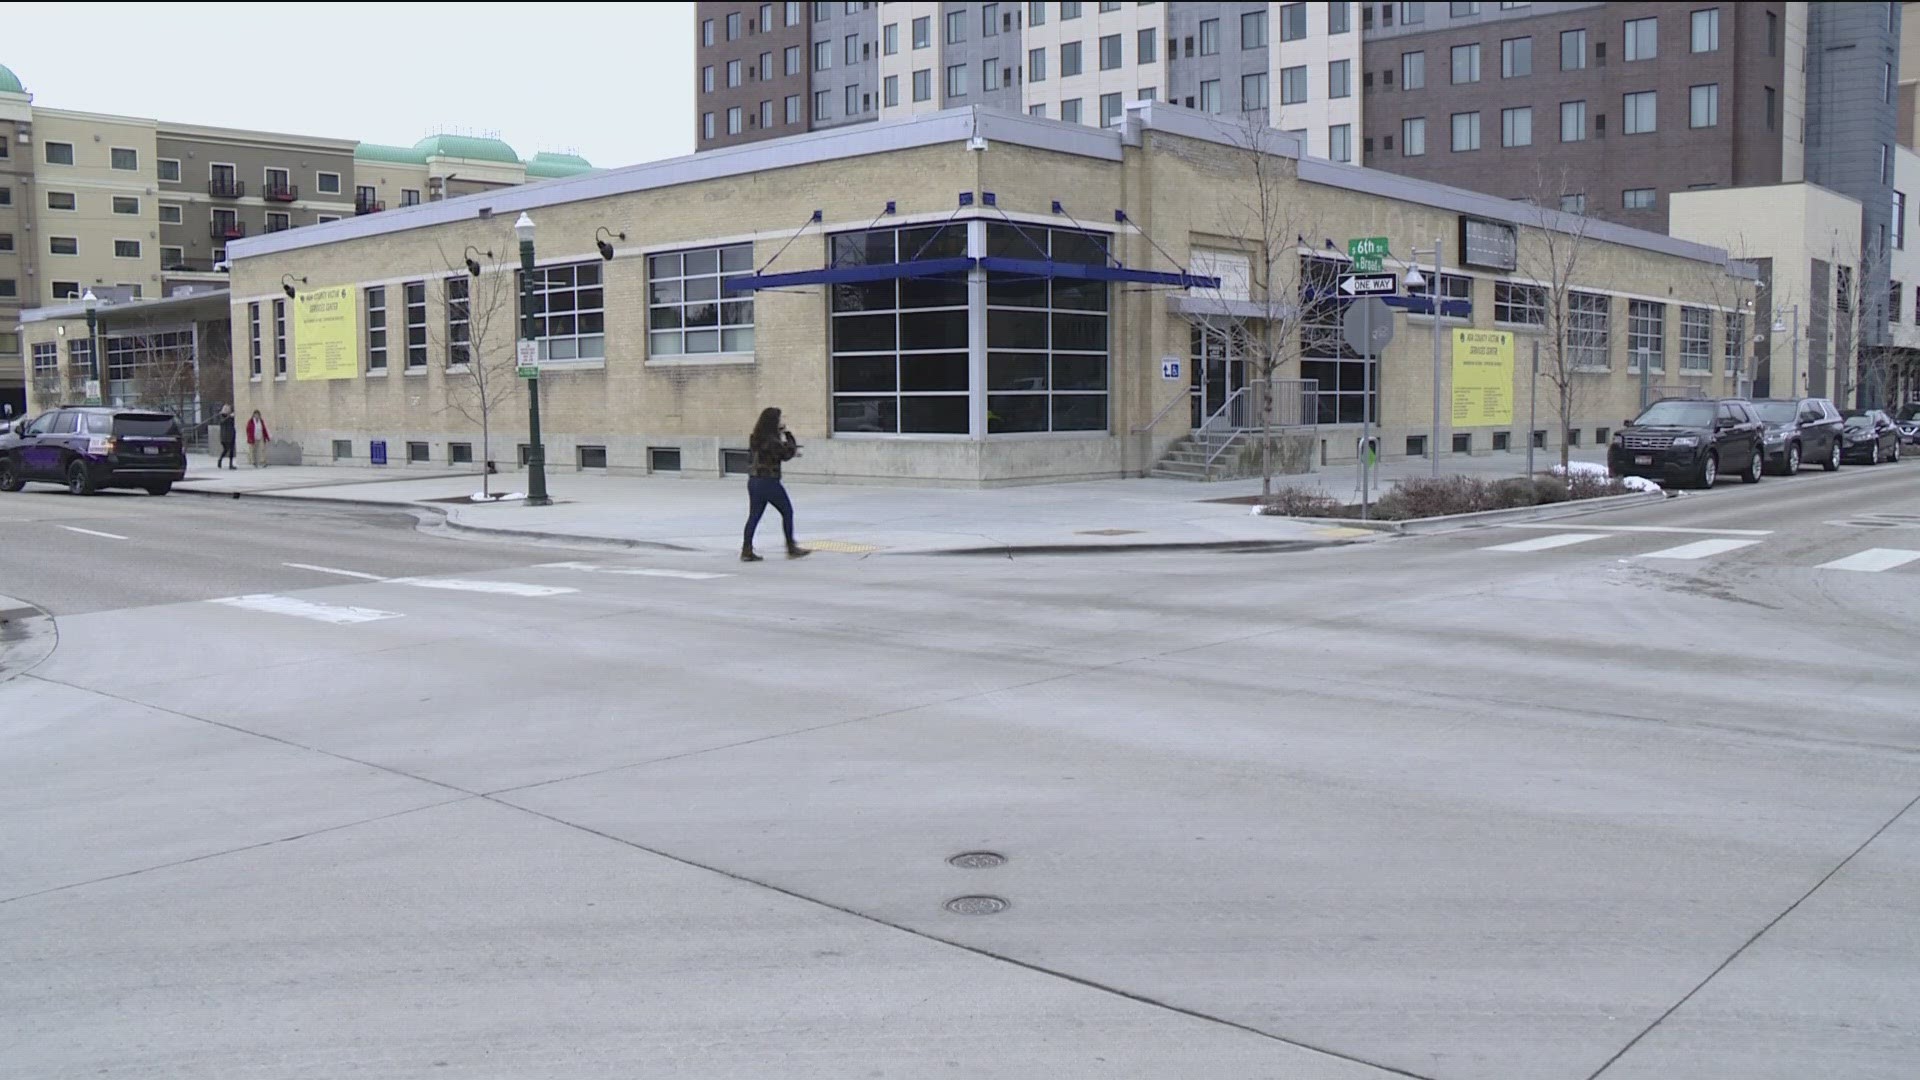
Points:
(257, 439)
(227, 439)
(770, 445)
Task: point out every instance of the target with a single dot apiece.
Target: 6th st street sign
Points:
(1367, 253)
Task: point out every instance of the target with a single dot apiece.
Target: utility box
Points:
(377, 452)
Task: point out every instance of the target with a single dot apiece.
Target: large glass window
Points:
(1046, 339)
(1110, 52)
(1646, 333)
(1643, 39)
(1735, 343)
(1573, 50)
(1209, 37)
(1253, 30)
(1466, 63)
(1516, 57)
(377, 329)
(253, 339)
(1706, 30)
(1641, 116)
(1069, 59)
(1413, 136)
(416, 295)
(1518, 302)
(693, 305)
(899, 346)
(1696, 339)
(1705, 106)
(1413, 71)
(1210, 93)
(1293, 86)
(459, 320)
(1293, 21)
(1573, 121)
(46, 358)
(279, 339)
(168, 350)
(1516, 126)
(1340, 79)
(1340, 372)
(1466, 131)
(1589, 330)
(1340, 142)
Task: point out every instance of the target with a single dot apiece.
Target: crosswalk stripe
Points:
(335, 571)
(1547, 543)
(633, 571)
(1699, 549)
(1682, 530)
(1872, 560)
(305, 609)
(496, 588)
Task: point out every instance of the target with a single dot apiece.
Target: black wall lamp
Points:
(286, 284)
(606, 249)
(473, 264)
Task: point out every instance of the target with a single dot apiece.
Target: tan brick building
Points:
(926, 312)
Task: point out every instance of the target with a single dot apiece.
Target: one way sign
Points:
(1370, 284)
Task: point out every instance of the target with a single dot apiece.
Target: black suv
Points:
(88, 448)
(1690, 441)
(1800, 429)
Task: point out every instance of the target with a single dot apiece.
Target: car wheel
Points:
(1793, 460)
(159, 489)
(1709, 470)
(1833, 457)
(10, 476)
(79, 481)
(1756, 468)
(1873, 454)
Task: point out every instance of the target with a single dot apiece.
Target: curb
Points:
(1548, 512)
(1231, 546)
(28, 635)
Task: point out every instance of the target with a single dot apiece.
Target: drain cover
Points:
(978, 860)
(976, 905)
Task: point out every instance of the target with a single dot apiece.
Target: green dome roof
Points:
(9, 82)
(398, 155)
(547, 166)
(468, 147)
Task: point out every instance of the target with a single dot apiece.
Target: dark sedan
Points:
(1870, 437)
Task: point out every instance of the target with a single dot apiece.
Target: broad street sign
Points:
(526, 356)
(1370, 284)
(1367, 326)
(1367, 253)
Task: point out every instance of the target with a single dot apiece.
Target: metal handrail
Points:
(1183, 396)
(1207, 425)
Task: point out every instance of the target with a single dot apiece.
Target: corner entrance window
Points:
(900, 345)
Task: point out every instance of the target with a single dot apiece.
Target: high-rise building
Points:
(133, 208)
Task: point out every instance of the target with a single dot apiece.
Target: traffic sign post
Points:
(1370, 284)
(1368, 253)
(1367, 328)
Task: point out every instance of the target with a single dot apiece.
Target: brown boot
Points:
(795, 551)
(747, 555)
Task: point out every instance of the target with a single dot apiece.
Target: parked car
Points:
(1800, 430)
(1691, 441)
(91, 448)
(1909, 422)
(1870, 436)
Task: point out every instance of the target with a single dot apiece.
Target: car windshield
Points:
(1677, 414)
(1859, 420)
(1909, 412)
(149, 424)
(1776, 412)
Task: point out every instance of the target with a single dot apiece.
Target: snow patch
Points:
(1638, 483)
(1582, 468)
(482, 497)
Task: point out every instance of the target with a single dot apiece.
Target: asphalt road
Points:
(304, 792)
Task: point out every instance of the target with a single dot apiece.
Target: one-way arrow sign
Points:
(1370, 284)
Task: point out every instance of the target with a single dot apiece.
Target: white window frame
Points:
(414, 316)
(284, 217)
(75, 253)
(320, 187)
(459, 320)
(578, 342)
(376, 347)
(74, 209)
(179, 213)
(137, 248)
(1696, 340)
(279, 337)
(179, 256)
(159, 171)
(46, 154)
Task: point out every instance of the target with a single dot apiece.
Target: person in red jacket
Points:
(257, 439)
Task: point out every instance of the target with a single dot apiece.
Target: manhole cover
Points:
(976, 905)
(978, 860)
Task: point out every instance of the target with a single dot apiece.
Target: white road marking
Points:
(1699, 549)
(633, 571)
(331, 570)
(93, 532)
(1645, 529)
(1547, 543)
(1872, 560)
(306, 609)
(497, 588)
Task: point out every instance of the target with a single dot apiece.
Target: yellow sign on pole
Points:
(326, 334)
(1482, 378)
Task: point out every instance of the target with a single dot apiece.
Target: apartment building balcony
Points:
(280, 192)
(226, 189)
(364, 205)
(231, 230)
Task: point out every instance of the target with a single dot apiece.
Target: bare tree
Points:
(475, 335)
(1736, 299)
(1863, 361)
(1262, 321)
(1554, 254)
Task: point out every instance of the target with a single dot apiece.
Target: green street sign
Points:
(1367, 253)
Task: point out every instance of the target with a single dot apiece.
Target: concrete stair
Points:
(1187, 459)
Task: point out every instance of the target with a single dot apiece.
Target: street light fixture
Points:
(92, 305)
(536, 453)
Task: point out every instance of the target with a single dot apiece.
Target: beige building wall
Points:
(1188, 192)
(390, 180)
(906, 60)
(1317, 52)
(1127, 80)
(94, 185)
(1791, 224)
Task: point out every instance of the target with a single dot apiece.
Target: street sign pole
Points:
(1366, 409)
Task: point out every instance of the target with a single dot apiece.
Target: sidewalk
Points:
(707, 515)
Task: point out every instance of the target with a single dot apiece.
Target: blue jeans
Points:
(762, 492)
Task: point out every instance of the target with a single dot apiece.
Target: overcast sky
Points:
(611, 81)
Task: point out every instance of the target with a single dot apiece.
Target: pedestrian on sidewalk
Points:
(227, 439)
(257, 439)
(769, 445)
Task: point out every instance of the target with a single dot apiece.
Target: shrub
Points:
(1419, 498)
(1297, 502)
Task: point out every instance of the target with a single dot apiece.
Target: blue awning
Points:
(844, 275)
(1047, 268)
(1422, 305)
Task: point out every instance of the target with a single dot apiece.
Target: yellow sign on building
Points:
(1482, 378)
(326, 334)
